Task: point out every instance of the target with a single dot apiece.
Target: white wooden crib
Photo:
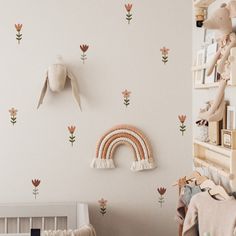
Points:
(18, 219)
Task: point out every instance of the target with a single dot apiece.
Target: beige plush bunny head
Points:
(57, 75)
(55, 80)
(221, 19)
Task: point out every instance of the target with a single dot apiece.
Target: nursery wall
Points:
(120, 56)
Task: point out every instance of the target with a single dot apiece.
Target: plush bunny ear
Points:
(44, 90)
(75, 89)
(232, 8)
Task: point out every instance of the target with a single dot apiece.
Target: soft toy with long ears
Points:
(221, 20)
(55, 80)
(215, 109)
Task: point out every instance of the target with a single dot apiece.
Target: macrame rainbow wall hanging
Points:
(123, 134)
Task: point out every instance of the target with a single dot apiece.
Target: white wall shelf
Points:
(203, 3)
(231, 82)
(216, 158)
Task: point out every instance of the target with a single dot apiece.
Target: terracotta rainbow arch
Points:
(123, 134)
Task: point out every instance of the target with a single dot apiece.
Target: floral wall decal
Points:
(72, 136)
(36, 183)
(182, 119)
(13, 113)
(165, 54)
(18, 34)
(161, 192)
(103, 205)
(84, 48)
(128, 8)
(126, 96)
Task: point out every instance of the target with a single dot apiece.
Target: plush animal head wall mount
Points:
(123, 134)
(221, 19)
(55, 80)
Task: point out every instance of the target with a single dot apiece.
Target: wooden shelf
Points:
(216, 148)
(203, 3)
(206, 86)
(215, 167)
(217, 158)
(231, 82)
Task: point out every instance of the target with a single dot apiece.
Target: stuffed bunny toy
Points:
(55, 80)
(221, 20)
(214, 110)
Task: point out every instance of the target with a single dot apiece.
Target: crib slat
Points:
(31, 222)
(18, 225)
(5, 225)
(55, 223)
(43, 223)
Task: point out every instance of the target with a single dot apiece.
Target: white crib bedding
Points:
(86, 230)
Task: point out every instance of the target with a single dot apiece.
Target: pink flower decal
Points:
(72, 136)
(182, 119)
(165, 54)
(18, 34)
(126, 96)
(103, 205)
(36, 183)
(84, 48)
(13, 113)
(161, 192)
(128, 8)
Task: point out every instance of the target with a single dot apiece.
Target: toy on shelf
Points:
(200, 10)
(221, 21)
(215, 110)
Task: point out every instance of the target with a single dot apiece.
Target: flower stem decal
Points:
(162, 192)
(13, 113)
(126, 95)
(128, 8)
(36, 183)
(165, 54)
(84, 49)
(72, 136)
(18, 34)
(103, 205)
(182, 119)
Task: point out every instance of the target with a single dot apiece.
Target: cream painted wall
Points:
(120, 56)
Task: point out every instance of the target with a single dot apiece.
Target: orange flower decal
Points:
(19, 34)
(165, 54)
(128, 8)
(13, 113)
(182, 119)
(103, 205)
(162, 192)
(36, 183)
(72, 136)
(126, 96)
(84, 48)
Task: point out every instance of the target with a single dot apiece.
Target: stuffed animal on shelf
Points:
(55, 80)
(221, 20)
(214, 110)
